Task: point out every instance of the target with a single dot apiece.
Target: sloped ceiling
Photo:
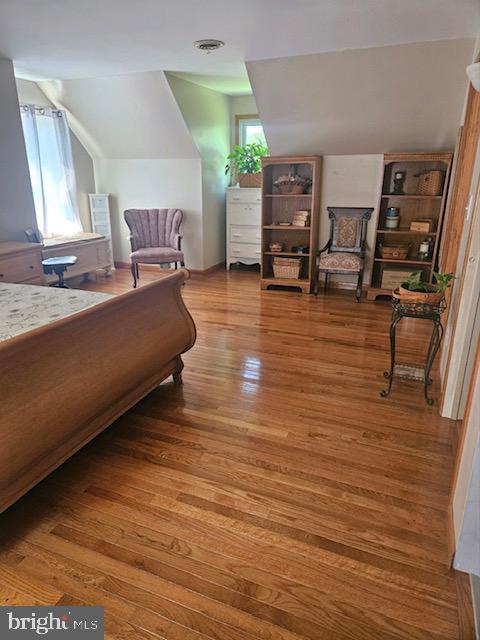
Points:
(132, 116)
(404, 97)
(69, 39)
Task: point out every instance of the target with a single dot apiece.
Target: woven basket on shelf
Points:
(252, 180)
(430, 183)
(291, 188)
(393, 252)
(287, 268)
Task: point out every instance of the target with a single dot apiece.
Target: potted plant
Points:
(245, 162)
(415, 290)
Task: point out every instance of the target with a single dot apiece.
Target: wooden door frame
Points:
(460, 188)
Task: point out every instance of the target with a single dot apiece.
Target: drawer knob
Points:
(31, 266)
(1, 275)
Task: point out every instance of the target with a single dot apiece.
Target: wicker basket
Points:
(291, 188)
(394, 252)
(287, 268)
(423, 297)
(430, 183)
(251, 180)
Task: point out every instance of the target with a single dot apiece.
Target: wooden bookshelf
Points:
(277, 207)
(412, 206)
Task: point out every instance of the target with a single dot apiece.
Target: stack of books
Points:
(301, 218)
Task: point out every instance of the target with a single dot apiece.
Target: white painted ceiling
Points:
(67, 39)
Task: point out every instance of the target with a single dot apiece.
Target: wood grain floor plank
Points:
(275, 496)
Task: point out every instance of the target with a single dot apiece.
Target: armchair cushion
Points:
(339, 261)
(156, 255)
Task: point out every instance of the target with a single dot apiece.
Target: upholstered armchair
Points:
(345, 250)
(154, 238)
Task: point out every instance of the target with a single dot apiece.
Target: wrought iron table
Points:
(418, 373)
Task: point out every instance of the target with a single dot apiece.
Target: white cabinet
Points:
(243, 225)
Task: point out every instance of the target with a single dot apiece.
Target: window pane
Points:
(254, 133)
(250, 131)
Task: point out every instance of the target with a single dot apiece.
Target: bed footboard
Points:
(61, 384)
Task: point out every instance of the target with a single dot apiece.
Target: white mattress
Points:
(24, 307)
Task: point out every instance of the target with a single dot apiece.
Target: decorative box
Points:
(393, 277)
(422, 224)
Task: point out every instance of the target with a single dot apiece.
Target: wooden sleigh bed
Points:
(62, 383)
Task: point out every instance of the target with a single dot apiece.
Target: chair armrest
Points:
(177, 242)
(134, 241)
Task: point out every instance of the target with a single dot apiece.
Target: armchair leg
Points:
(134, 269)
(182, 264)
(325, 284)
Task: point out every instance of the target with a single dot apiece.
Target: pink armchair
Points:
(154, 237)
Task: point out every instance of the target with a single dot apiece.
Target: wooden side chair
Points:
(154, 238)
(345, 250)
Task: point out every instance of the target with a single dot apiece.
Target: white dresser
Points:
(244, 233)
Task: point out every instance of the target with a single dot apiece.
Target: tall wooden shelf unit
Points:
(412, 206)
(277, 208)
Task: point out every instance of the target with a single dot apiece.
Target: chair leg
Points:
(134, 269)
(176, 265)
(182, 264)
(325, 283)
(137, 270)
(358, 293)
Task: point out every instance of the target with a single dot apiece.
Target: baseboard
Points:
(205, 272)
(349, 286)
(451, 542)
(465, 607)
(154, 267)
(475, 580)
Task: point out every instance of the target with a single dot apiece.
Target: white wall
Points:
(351, 181)
(207, 115)
(30, 93)
(144, 155)
(404, 97)
(16, 201)
(153, 183)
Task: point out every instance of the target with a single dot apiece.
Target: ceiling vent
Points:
(208, 45)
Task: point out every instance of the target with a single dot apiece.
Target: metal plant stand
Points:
(418, 373)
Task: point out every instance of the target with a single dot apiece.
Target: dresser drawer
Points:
(244, 214)
(244, 196)
(20, 268)
(245, 251)
(250, 235)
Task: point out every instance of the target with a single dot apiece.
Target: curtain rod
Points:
(42, 110)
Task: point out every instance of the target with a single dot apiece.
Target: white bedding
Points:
(25, 306)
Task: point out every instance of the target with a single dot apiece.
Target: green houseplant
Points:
(415, 290)
(246, 163)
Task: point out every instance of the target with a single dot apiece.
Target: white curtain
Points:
(49, 154)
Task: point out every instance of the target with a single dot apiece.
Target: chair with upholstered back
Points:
(345, 250)
(154, 237)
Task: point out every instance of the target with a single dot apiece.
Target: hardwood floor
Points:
(275, 496)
